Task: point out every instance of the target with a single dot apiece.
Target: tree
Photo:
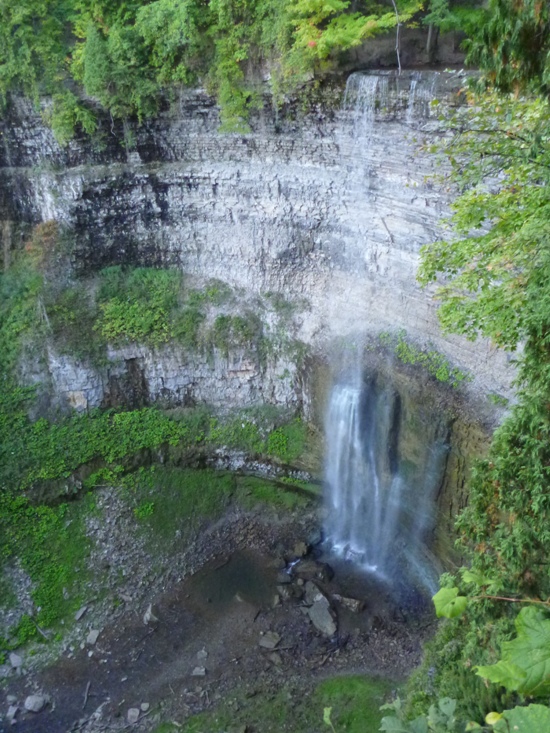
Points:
(512, 45)
(499, 151)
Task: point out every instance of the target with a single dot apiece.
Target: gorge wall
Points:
(307, 205)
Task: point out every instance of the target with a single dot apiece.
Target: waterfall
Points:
(364, 92)
(380, 511)
(412, 97)
(363, 507)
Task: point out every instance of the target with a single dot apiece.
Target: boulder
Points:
(310, 592)
(283, 578)
(149, 616)
(80, 613)
(35, 703)
(284, 591)
(321, 616)
(319, 611)
(301, 549)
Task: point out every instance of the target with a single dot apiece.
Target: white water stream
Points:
(377, 516)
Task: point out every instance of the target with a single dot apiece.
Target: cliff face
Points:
(329, 206)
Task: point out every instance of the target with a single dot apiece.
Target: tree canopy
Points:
(493, 280)
(121, 54)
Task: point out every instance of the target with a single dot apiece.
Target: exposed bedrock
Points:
(308, 204)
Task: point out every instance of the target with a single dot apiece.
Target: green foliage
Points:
(287, 443)
(236, 331)
(67, 115)
(122, 54)
(530, 719)
(354, 701)
(433, 361)
(139, 305)
(493, 272)
(51, 546)
(145, 509)
(72, 314)
(449, 15)
(252, 491)
(495, 284)
(512, 45)
(440, 719)
(236, 432)
(525, 663)
(148, 306)
(172, 502)
(497, 399)
(32, 43)
(448, 603)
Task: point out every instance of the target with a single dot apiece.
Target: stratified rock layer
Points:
(318, 205)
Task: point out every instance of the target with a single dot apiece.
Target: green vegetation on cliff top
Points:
(120, 55)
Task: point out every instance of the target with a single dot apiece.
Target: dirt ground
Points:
(199, 640)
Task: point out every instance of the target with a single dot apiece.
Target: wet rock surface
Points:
(216, 629)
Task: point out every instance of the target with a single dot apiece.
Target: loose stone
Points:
(133, 715)
(35, 703)
(270, 640)
(92, 637)
(321, 617)
(15, 660)
(80, 613)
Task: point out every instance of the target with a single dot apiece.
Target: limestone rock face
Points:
(326, 206)
(169, 376)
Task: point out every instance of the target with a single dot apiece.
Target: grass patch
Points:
(8, 596)
(355, 703)
(52, 548)
(170, 503)
(252, 491)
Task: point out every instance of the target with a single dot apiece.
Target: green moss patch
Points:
(354, 703)
(52, 548)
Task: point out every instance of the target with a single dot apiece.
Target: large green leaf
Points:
(394, 725)
(532, 719)
(525, 664)
(503, 673)
(448, 603)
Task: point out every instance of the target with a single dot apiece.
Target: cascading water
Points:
(380, 508)
(364, 507)
(379, 511)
